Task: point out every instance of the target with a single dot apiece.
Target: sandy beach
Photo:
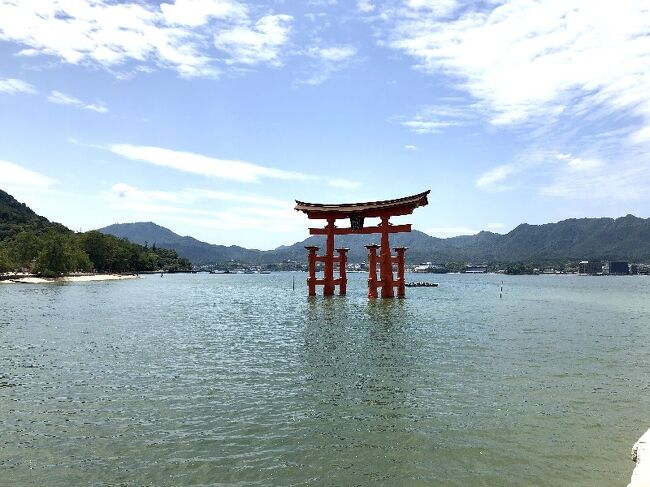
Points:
(19, 279)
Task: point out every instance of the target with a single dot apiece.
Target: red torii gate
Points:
(357, 212)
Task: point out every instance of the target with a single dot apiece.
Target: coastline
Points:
(640, 456)
(31, 279)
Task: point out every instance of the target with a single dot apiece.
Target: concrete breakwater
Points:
(641, 456)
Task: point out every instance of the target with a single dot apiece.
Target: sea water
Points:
(241, 380)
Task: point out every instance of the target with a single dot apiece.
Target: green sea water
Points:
(240, 380)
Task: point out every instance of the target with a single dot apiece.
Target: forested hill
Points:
(16, 217)
(31, 242)
(625, 238)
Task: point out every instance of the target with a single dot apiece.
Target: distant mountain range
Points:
(198, 252)
(625, 238)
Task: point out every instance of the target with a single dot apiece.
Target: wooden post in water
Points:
(399, 260)
(311, 278)
(328, 274)
(385, 262)
(343, 278)
(372, 270)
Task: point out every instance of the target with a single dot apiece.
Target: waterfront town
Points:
(583, 268)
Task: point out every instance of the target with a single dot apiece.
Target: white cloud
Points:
(257, 43)
(14, 175)
(439, 8)
(190, 196)
(327, 61)
(435, 118)
(627, 182)
(344, 183)
(333, 54)
(365, 6)
(181, 207)
(224, 196)
(12, 86)
(235, 221)
(523, 59)
(569, 176)
(493, 178)
(446, 232)
(123, 190)
(641, 136)
(412, 147)
(579, 164)
(495, 227)
(190, 162)
(420, 126)
(63, 99)
(198, 12)
(134, 35)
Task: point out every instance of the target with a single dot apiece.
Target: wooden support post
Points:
(401, 284)
(343, 278)
(372, 270)
(385, 261)
(311, 278)
(328, 288)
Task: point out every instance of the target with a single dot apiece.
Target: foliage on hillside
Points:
(625, 238)
(33, 243)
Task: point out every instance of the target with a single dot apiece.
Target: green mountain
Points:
(196, 251)
(626, 238)
(16, 217)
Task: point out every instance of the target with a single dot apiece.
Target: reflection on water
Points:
(212, 380)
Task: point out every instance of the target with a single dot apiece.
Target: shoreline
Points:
(31, 279)
(640, 452)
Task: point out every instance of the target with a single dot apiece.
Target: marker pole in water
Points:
(501, 291)
(293, 283)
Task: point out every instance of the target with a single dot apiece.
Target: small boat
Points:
(421, 284)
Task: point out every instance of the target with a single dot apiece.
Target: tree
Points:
(24, 248)
(5, 263)
(54, 257)
(79, 260)
(96, 246)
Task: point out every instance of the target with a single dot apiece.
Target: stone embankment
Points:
(641, 456)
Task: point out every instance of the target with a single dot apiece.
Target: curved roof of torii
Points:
(399, 206)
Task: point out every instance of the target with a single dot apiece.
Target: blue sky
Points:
(211, 116)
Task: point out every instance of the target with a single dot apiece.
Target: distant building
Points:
(590, 267)
(429, 267)
(643, 269)
(475, 269)
(619, 268)
(549, 270)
